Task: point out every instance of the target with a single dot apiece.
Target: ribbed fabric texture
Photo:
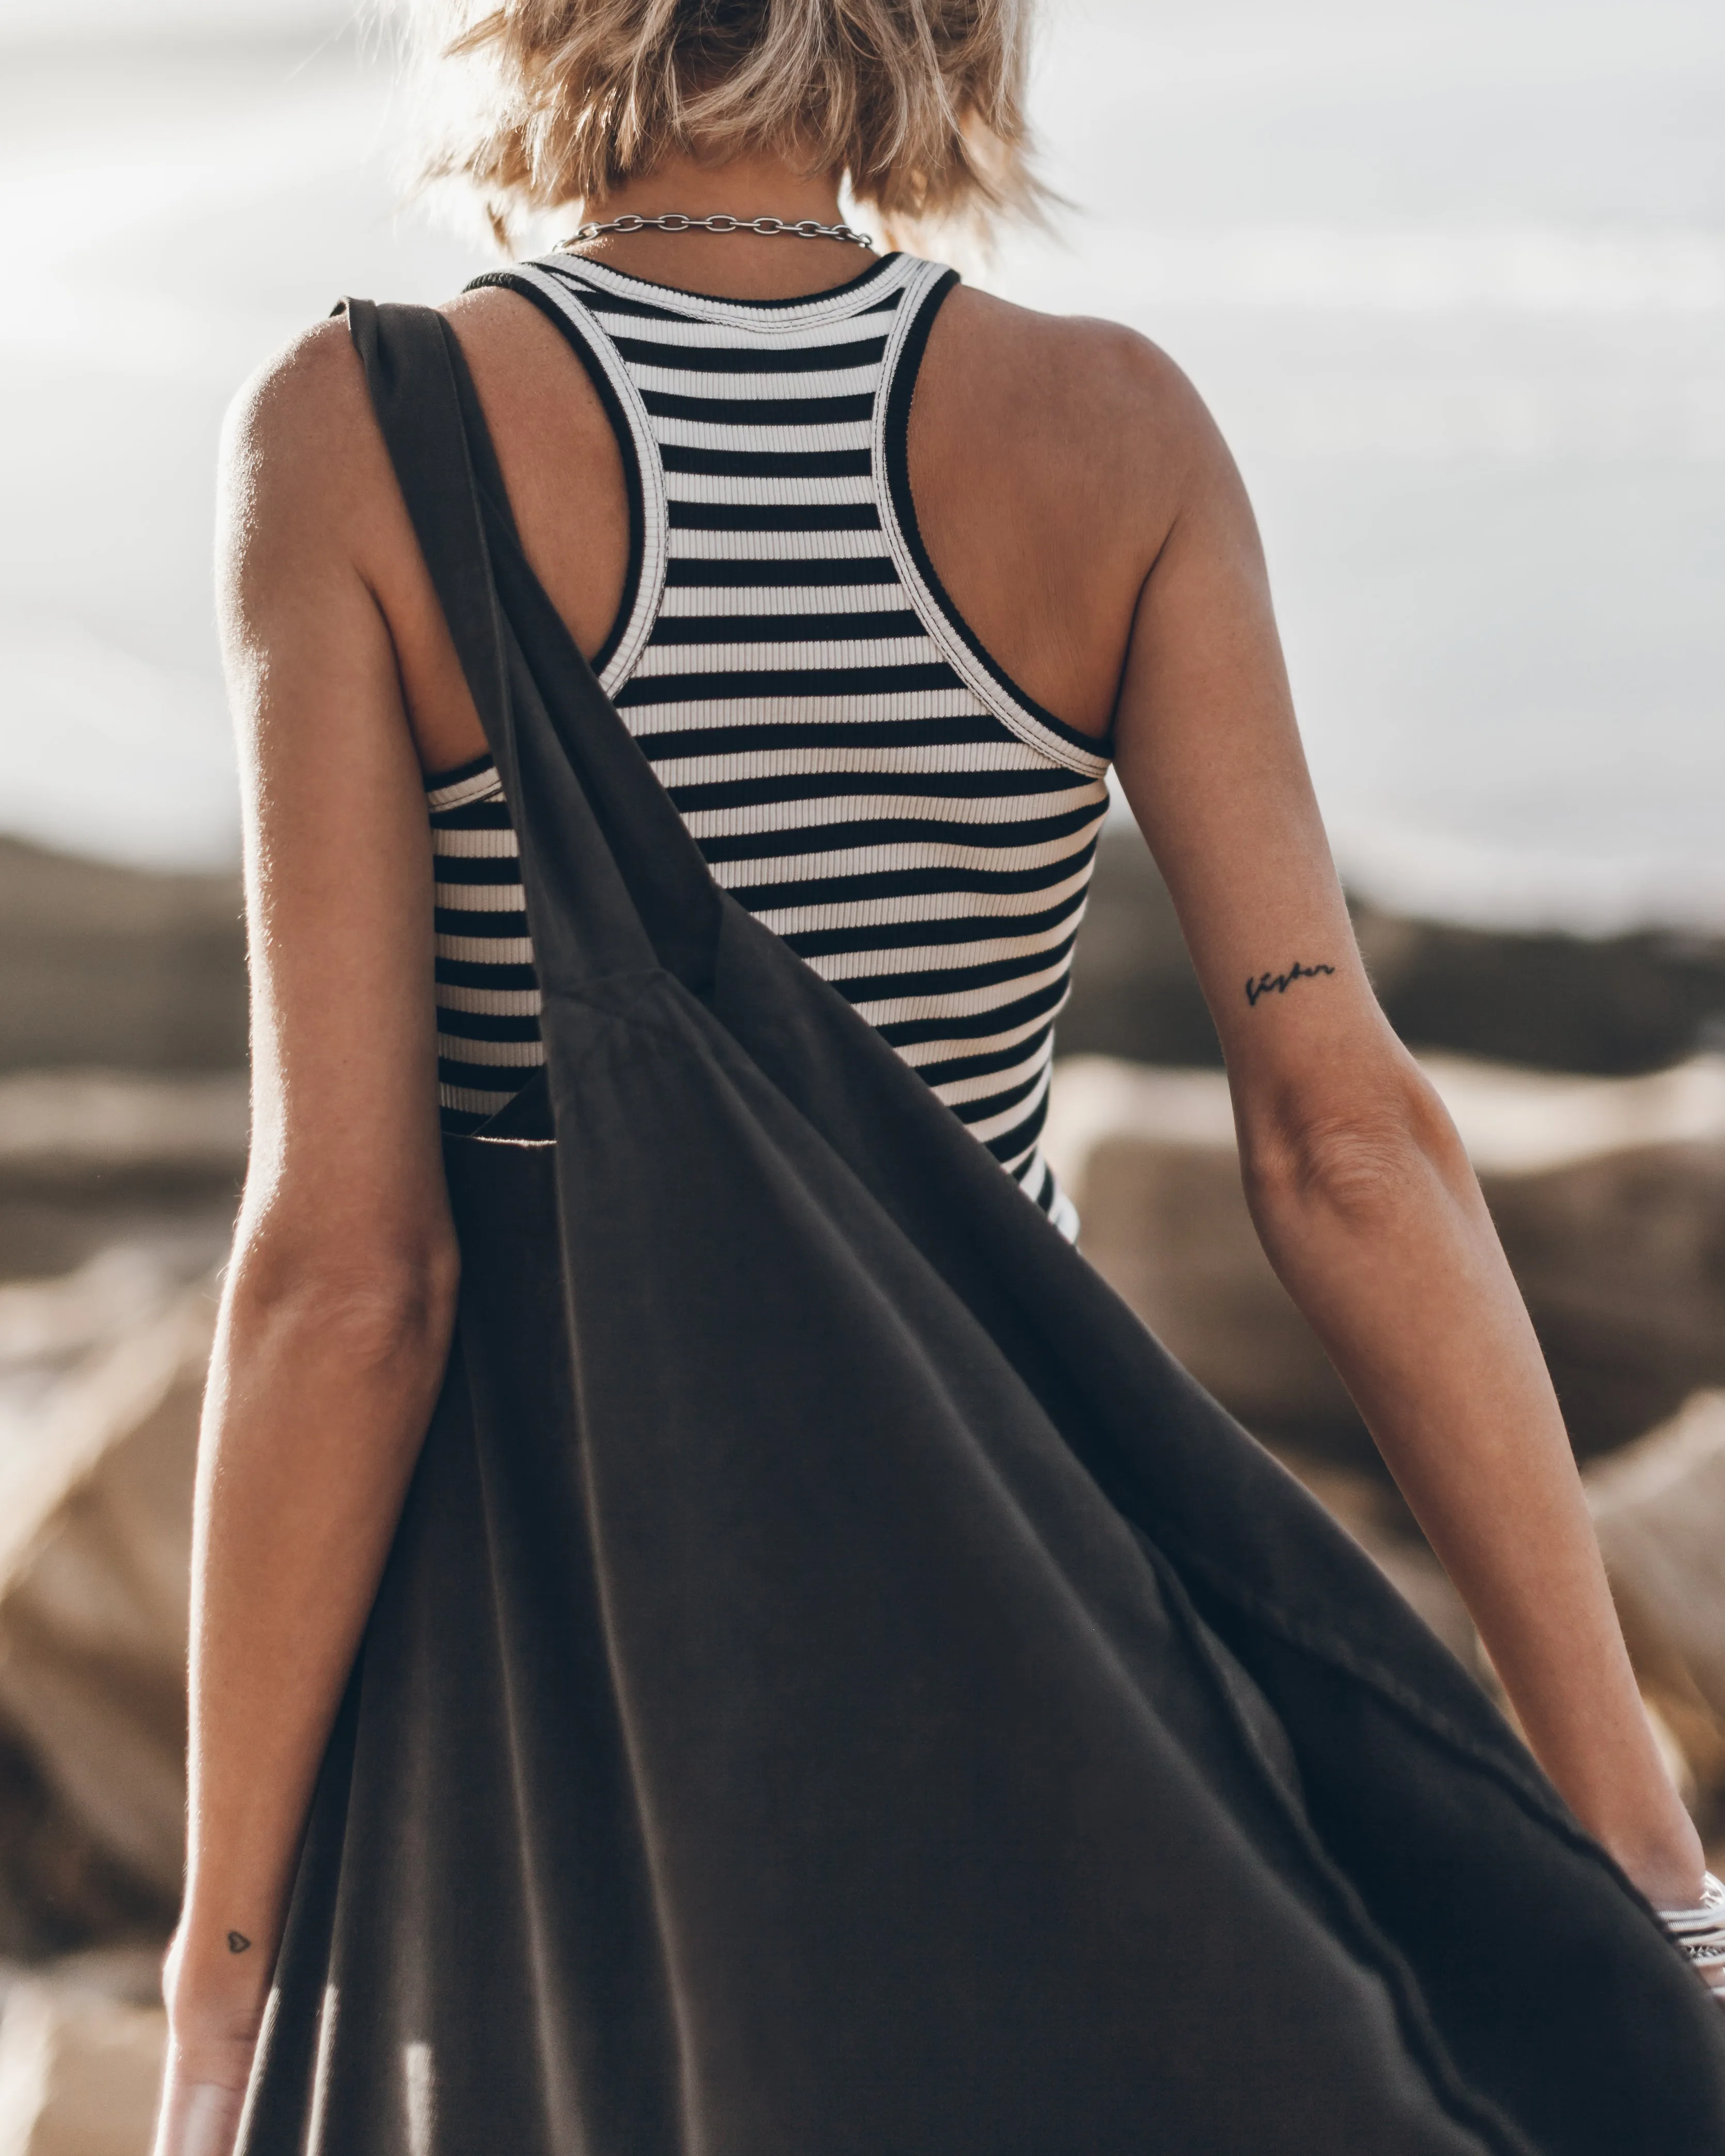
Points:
(854, 766)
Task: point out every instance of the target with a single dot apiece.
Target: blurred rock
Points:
(106, 965)
(94, 1545)
(44, 1323)
(1524, 1122)
(1149, 1157)
(80, 2070)
(1659, 1509)
(52, 1233)
(58, 1887)
(1609, 1195)
(129, 1974)
(123, 1013)
(89, 1159)
(102, 965)
(1610, 1007)
(60, 1126)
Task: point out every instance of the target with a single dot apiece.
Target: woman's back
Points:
(855, 764)
(1047, 456)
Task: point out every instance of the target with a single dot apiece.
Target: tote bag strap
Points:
(552, 729)
(416, 397)
(620, 882)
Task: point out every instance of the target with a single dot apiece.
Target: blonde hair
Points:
(918, 104)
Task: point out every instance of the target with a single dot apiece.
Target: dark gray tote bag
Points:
(839, 1687)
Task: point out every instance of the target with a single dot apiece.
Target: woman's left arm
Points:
(1360, 1186)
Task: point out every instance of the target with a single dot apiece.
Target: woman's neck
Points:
(732, 266)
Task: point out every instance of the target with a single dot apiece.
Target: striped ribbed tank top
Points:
(855, 768)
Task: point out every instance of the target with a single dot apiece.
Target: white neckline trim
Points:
(764, 317)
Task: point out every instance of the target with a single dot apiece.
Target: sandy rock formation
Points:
(123, 966)
(1609, 1195)
(93, 1159)
(1611, 1006)
(81, 2052)
(131, 1178)
(1149, 1157)
(95, 1543)
(1659, 1509)
(62, 1126)
(103, 965)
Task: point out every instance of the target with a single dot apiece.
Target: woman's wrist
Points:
(214, 1990)
(201, 2059)
(1666, 1861)
(1616, 1779)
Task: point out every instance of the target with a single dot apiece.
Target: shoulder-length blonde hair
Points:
(918, 104)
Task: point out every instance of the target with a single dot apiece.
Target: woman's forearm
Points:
(319, 1392)
(1382, 1237)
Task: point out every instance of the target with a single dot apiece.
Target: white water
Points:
(1450, 272)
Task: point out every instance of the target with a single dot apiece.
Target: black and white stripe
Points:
(854, 768)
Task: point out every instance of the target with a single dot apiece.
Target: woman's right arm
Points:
(340, 1299)
(1361, 1191)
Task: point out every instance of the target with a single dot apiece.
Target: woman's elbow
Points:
(383, 1308)
(1360, 1158)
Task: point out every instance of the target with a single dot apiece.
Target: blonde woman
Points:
(882, 574)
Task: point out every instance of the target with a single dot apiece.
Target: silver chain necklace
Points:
(770, 228)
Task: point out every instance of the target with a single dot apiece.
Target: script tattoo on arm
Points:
(1280, 983)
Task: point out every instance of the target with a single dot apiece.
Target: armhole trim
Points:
(1037, 728)
(644, 578)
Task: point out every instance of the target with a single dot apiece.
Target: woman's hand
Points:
(200, 2117)
(1697, 1920)
(214, 2017)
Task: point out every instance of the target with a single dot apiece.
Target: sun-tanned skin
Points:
(1087, 519)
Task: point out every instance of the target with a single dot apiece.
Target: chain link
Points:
(770, 228)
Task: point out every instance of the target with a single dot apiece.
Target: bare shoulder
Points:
(314, 530)
(534, 390)
(300, 441)
(304, 478)
(492, 314)
(1099, 389)
(302, 413)
(1095, 358)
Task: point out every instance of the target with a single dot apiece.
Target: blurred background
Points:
(1451, 273)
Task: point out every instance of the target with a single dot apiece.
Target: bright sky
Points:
(69, 20)
(1450, 272)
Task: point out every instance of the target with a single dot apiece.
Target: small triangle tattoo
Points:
(238, 1941)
